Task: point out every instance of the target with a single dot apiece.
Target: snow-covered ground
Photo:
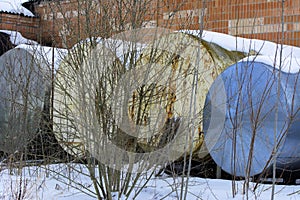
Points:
(15, 6)
(43, 183)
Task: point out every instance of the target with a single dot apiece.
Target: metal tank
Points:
(123, 48)
(152, 102)
(176, 64)
(152, 92)
(251, 117)
(23, 84)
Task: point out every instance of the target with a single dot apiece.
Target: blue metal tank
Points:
(251, 111)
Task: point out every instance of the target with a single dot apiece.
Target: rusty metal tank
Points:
(161, 81)
(179, 68)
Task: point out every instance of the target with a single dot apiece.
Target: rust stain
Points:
(172, 87)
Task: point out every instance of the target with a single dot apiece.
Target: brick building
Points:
(63, 23)
(28, 26)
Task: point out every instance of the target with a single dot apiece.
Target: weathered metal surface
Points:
(169, 66)
(66, 95)
(260, 115)
(23, 83)
(64, 126)
(163, 94)
(83, 89)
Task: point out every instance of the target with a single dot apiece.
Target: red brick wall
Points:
(259, 19)
(27, 26)
(67, 22)
(248, 18)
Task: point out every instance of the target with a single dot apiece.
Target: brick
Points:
(220, 16)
